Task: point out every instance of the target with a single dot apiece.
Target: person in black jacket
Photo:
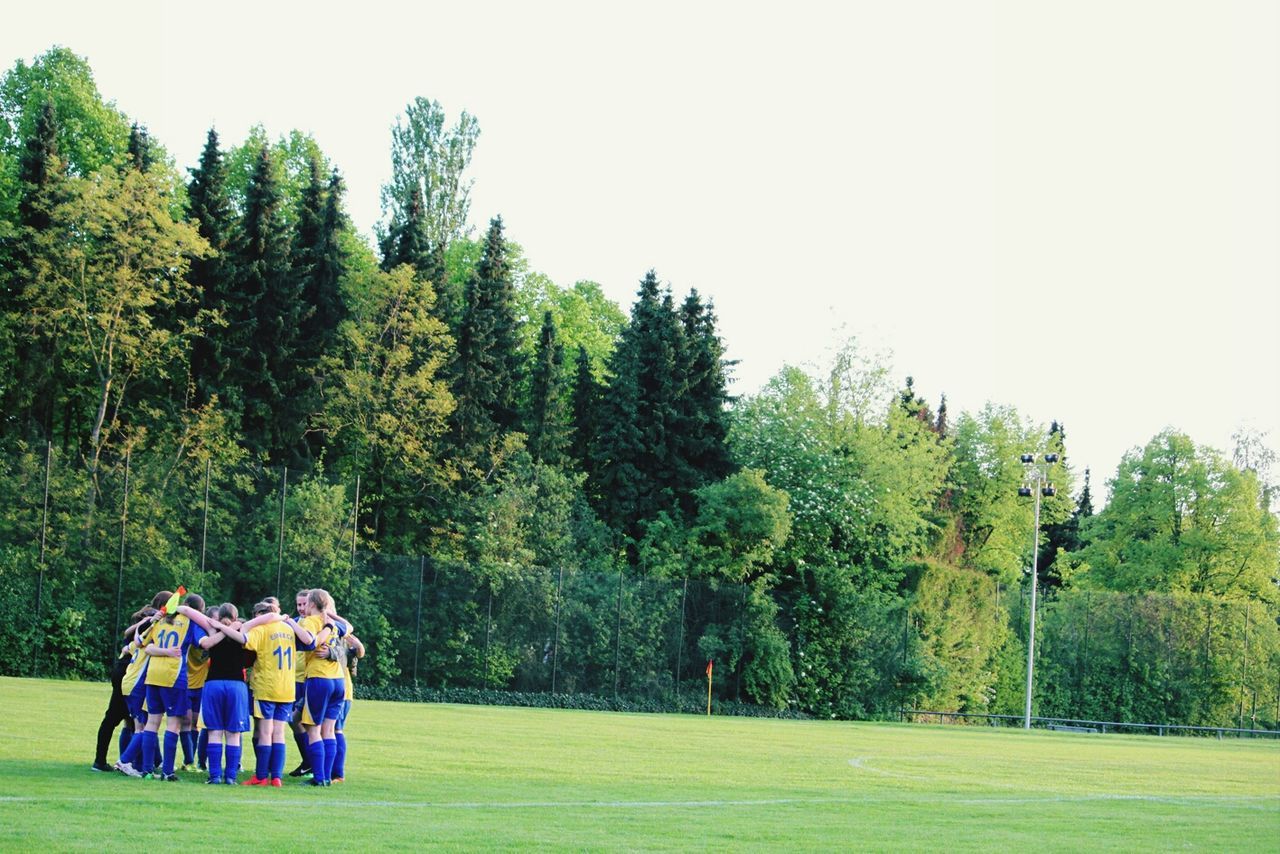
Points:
(117, 710)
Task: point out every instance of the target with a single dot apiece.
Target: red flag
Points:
(710, 664)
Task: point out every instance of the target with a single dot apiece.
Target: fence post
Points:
(1244, 675)
(124, 521)
(555, 644)
(204, 526)
(355, 524)
(44, 529)
(488, 632)
(284, 487)
(684, 595)
(617, 642)
(417, 630)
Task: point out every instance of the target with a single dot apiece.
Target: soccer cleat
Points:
(254, 781)
(169, 778)
(128, 770)
(100, 766)
(314, 782)
(302, 769)
(338, 780)
(213, 782)
(150, 776)
(275, 783)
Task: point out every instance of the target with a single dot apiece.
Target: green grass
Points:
(471, 777)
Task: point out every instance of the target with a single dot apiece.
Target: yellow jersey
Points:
(197, 666)
(166, 671)
(319, 667)
(346, 676)
(272, 677)
(137, 666)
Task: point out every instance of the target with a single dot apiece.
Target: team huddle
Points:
(209, 677)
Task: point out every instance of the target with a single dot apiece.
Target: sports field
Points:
(470, 777)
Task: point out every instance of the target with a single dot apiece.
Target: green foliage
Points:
(427, 164)
(1181, 518)
(387, 405)
(489, 368)
(961, 636)
(91, 133)
(995, 522)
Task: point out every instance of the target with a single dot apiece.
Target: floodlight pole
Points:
(1037, 475)
(1031, 633)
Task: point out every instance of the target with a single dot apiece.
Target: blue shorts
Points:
(269, 710)
(193, 698)
(324, 700)
(169, 700)
(226, 705)
(300, 699)
(342, 717)
(137, 702)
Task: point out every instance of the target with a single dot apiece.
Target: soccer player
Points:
(166, 681)
(197, 670)
(355, 651)
(225, 704)
(325, 688)
(275, 639)
(300, 696)
(134, 688)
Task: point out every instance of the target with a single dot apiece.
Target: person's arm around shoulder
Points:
(304, 637)
(356, 644)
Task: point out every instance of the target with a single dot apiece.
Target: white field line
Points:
(1246, 801)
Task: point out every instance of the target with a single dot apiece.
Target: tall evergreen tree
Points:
(30, 394)
(319, 262)
(263, 321)
(209, 206)
(940, 425)
(585, 402)
(140, 151)
(407, 242)
(1064, 535)
(705, 430)
(548, 421)
(489, 367)
(638, 467)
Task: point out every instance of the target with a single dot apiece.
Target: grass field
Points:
(470, 777)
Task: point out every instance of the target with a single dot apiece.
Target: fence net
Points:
(80, 553)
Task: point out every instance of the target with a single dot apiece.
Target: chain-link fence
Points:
(79, 553)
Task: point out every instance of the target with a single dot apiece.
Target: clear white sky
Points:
(1070, 207)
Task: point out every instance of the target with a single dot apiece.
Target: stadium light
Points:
(1035, 482)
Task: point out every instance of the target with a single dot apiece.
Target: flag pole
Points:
(710, 665)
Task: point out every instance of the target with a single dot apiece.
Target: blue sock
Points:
(315, 749)
(150, 747)
(277, 759)
(170, 751)
(340, 758)
(215, 762)
(187, 740)
(202, 747)
(126, 735)
(330, 754)
(133, 749)
(233, 763)
(262, 755)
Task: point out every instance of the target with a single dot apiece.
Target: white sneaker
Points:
(128, 770)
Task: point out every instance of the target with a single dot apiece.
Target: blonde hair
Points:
(320, 598)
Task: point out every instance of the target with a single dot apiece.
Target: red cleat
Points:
(275, 783)
(254, 781)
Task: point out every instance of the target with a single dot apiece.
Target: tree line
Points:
(161, 332)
